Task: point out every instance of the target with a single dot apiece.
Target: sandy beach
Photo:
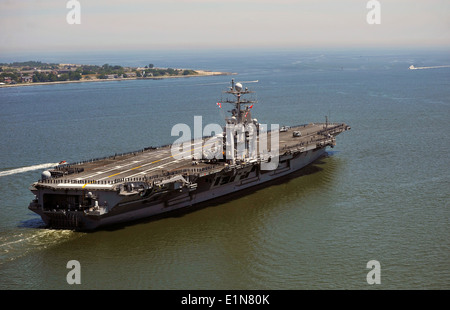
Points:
(200, 73)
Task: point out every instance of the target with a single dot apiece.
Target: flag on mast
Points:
(219, 104)
(248, 110)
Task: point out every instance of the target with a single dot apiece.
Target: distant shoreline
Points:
(200, 73)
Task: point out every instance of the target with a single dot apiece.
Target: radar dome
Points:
(238, 86)
(46, 175)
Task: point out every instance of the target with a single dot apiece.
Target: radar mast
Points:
(241, 113)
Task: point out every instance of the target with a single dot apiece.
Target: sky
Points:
(41, 25)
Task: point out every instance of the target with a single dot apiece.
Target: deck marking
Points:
(112, 175)
(134, 162)
(87, 184)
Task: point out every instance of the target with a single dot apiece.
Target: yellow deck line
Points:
(87, 184)
(115, 174)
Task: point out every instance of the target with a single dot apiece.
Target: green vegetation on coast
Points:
(38, 72)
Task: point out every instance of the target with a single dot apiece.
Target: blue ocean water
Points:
(381, 194)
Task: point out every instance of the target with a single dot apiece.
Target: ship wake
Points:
(26, 169)
(412, 67)
(16, 245)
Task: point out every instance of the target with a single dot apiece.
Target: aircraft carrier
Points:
(126, 187)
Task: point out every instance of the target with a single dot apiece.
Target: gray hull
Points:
(209, 187)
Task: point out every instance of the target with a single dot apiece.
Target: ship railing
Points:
(64, 167)
(69, 165)
(306, 143)
(197, 171)
(333, 128)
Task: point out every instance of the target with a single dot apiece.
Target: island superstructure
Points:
(127, 187)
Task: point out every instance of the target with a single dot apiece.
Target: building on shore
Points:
(27, 79)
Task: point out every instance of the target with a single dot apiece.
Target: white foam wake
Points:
(25, 169)
(13, 246)
(421, 68)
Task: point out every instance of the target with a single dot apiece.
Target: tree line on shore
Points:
(36, 71)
